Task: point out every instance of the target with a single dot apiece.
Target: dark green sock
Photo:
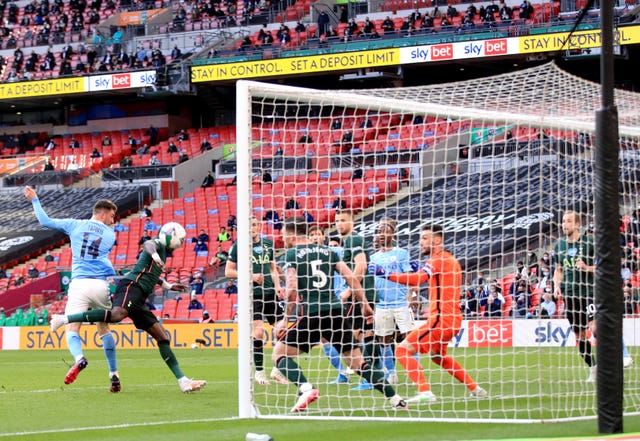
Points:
(291, 370)
(94, 315)
(376, 378)
(371, 352)
(169, 357)
(258, 354)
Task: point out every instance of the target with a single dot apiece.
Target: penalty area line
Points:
(114, 426)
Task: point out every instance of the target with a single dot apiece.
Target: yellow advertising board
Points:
(57, 86)
(295, 65)
(579, 40)
(214, 335)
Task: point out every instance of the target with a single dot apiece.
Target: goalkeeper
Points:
(444, 274)
(309, 270)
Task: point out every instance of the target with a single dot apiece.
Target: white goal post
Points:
(496, 161)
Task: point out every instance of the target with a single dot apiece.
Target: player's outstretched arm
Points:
(43, 218)
(412, 279)
(150, 247)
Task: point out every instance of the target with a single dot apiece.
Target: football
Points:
(172, 235)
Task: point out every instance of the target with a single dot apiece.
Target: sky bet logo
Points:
(121, 81)
(552, 334)
(495, 47)
(442, 52)
(490, 333)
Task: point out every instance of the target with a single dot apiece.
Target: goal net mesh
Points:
(496, 161)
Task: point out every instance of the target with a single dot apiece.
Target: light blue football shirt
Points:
(91, 243)
(339, 284)
(391, 294)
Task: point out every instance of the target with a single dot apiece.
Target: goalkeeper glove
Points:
(415, 266)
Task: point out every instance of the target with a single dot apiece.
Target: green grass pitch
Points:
(35, 404)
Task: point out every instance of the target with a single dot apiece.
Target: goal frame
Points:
(245, 89)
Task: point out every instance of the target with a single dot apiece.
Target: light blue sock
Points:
(625, 351)
(74, 344)
(109, 346)
(389, 359)
(333, 355)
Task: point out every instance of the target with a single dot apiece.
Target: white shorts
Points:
(386, 320)
(87, 294)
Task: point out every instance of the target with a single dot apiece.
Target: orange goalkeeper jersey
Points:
(445, 286)
(444, 274)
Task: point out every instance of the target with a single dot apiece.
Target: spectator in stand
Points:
(262, 33)
(273, 218)
(630, 299)
(351, 30)
(268, 39)
(283, 27)
(368, 28)
(154, 160)
(201, 248)
(526, 10)
(73, 165)
(336, 124)
(532, 263)
(195, 303)
(506, 13)
(545, 265)
(32, 62)
(547, 306)
(223, 235)
(33, 272)
(300, 27)
(182, 135)
(307, 217)
(196, 282)
(146, 235)
(339, 203)
(285, 38)
(49, 62)
(74, 144)
(175, 53)
(407, 29)
(208, 180)
(323, 22)
(231, 288)
(152, 133)
(95, 153)
(220, 259)
(292, 204)
(149, 224)
(67, 52)
(232, 223)
(469, 304)
(106, 141)
(206, 318)
(203, 236)
(266, 177)
(388, 26)
(49, 166)
(126, 162)
(522, 300)
(142, 150)
(206, 145)
(492, 302)
(183, 157)
(172, 147)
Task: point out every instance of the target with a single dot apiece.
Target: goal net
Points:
(496, 162)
